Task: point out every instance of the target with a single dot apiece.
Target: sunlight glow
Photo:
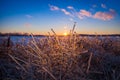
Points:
(65, 34)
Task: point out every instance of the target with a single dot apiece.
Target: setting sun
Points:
(65, 34)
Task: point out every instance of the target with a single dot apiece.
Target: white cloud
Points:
(86, 14)
(53, 8)
(83, 13)
(103, 6)
(70, 7)
(79, 16)
(66, 12)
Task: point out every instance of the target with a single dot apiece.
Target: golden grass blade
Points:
(73, 27)
(49, 73)
(53, 32)
(17, 62)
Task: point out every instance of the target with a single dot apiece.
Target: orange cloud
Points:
(85, 13)
(103, 15)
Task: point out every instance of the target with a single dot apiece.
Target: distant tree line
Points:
(18, 34)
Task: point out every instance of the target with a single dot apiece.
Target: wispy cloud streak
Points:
(53, 8)
(83, 13)
(70, 7)
(66, 12)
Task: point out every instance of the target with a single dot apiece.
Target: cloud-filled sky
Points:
(39, 16)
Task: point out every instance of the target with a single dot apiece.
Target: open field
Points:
(61, 58)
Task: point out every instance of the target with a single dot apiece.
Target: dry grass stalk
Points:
(49, 73)
(17, 62)
(89, 62)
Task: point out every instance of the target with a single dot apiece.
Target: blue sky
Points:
(39, 16)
